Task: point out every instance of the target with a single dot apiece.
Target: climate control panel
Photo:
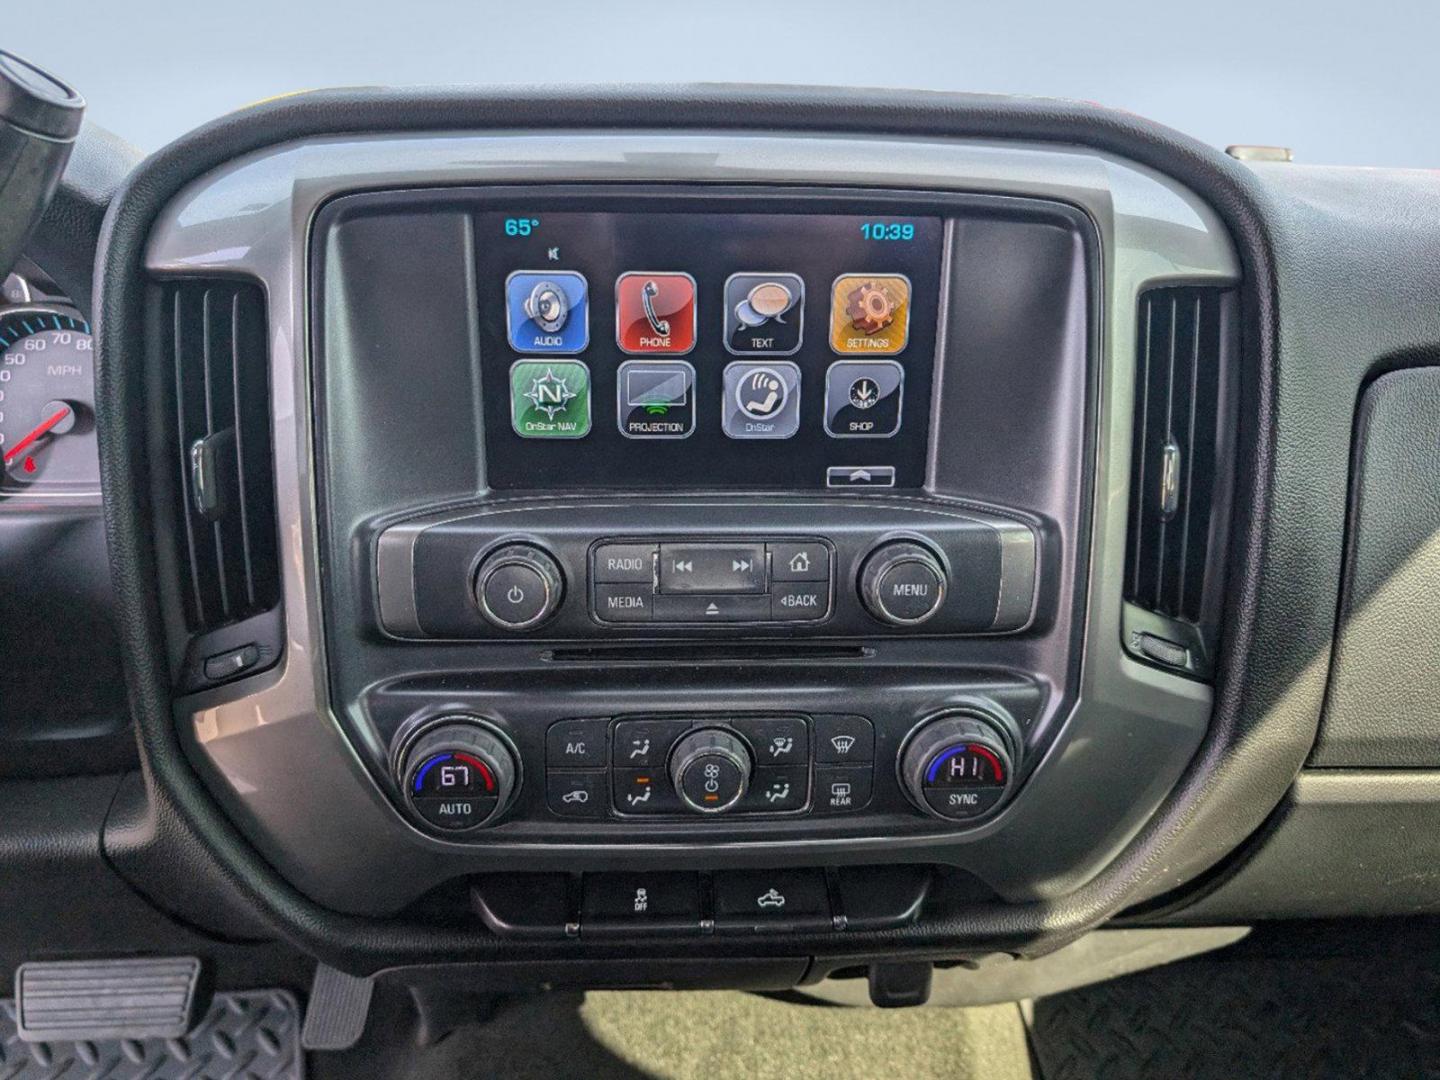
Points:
(459, 773)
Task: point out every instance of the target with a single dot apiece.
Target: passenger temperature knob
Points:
(959, 766)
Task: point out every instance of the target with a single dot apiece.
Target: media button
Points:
(655, 399)
(862, 399)
(761, 400)
(655, 312)
(623, 603)
(764, 314)
(547, 311)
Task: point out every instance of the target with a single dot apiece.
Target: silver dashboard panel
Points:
(270, 749)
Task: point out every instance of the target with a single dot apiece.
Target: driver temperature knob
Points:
(459, 774)
(711, 770)
(958, 766)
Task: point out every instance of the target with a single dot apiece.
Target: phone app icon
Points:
(762, 400)
(655, 312)
(550, 399)
(869, 314)
(656, 399)
(547, 311)
(764, 313)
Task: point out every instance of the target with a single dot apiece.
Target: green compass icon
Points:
(550, 399)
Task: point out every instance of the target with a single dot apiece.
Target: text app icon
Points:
(761, 400)
(656, 399)
(547, 311)
(764, 314)
(869, 314)
(862, 398)
(655, 312)
(550, 399)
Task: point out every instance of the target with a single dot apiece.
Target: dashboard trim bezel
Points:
(1234, 762)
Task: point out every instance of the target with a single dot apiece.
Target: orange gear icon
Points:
(870, 307)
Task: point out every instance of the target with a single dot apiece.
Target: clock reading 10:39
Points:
(888, 230)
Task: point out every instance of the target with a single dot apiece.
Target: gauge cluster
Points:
(47, 396)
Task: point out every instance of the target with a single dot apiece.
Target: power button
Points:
(518, 586)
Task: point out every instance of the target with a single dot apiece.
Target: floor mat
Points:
(1239, 1014)
(670, 1035)
(255, 1035)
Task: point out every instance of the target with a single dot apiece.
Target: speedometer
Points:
(47, 402)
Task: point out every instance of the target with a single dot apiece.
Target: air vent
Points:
(1179, 481)
(225, 498)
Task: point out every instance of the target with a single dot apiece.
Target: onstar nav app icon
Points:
(655, 313)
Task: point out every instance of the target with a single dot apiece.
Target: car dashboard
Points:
(821, 532)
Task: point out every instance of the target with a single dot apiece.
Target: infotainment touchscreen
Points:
(664, 349)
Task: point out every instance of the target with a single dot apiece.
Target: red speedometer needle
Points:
(29, 440)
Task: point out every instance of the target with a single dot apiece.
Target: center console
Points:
(662, 513)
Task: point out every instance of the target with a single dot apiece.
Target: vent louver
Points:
(225, 512)
(1179, 471)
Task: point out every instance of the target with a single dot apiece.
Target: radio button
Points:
(624, 603)
(712, 568)
(625, 563)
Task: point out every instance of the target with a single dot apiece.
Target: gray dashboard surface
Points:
(1383, 706)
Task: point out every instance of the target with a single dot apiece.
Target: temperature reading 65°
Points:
(521, 226)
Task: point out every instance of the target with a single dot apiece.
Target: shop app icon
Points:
(862, 398)
(547, 311)
(550, 399)
(764, 313)
(655, 312)
(656, 399)
(869, 314)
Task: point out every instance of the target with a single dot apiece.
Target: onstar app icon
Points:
(655, 312)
